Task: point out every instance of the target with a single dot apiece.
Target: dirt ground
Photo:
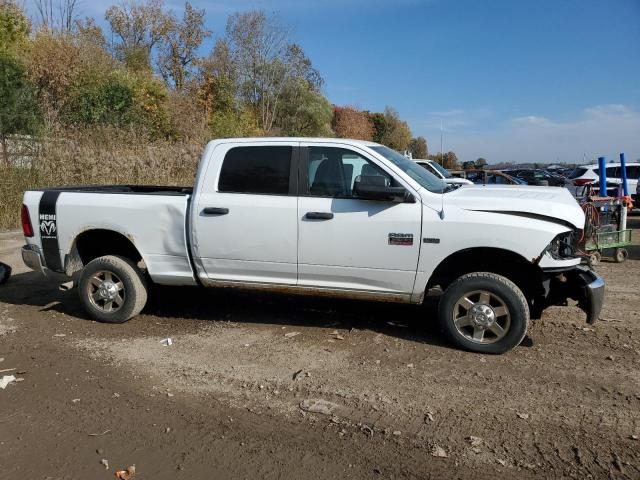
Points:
(224, 400)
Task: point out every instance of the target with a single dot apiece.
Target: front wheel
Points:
(484, 312)
(112, 289)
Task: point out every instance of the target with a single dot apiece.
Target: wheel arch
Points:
(97, 242)
(526, 275)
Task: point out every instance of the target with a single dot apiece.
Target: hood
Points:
(549, 203)
(458, 181)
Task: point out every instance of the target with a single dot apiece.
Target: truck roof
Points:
(345, 141)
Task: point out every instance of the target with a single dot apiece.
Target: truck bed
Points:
(152, 218)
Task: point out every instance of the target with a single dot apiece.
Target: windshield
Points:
(416, 172)
(445, 173)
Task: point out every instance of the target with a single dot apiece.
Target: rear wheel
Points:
(484, 312)
(112, 289)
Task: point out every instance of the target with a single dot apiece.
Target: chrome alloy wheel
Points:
(106, 291)
(481, 317)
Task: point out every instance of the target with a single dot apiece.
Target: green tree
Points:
(119, 99)
(19, 113)
(304, 112)
(14, 26)
(379, 123)
(418, 147)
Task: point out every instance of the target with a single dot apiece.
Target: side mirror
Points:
(377, 187)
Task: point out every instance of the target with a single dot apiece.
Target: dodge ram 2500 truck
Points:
(327, 217)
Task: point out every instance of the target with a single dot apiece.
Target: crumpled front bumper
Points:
(593, 293)
(580, 284)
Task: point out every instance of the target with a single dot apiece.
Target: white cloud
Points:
(602, 130)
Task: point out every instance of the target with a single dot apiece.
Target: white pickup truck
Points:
(323, 217)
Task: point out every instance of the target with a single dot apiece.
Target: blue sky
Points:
(534, 80)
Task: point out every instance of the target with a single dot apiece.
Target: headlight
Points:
(564, 245)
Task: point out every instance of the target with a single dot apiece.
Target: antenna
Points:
(441, 213)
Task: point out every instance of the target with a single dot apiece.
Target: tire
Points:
(104, 274)
(620, 255)
(500, 311)
(5, 273)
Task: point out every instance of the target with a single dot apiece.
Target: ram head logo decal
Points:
(48, 227)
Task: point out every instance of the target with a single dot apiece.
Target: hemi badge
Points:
(431, 240)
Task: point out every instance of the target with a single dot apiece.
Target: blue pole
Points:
(602, 173)
(623, 170)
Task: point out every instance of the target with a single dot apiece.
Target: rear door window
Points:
(257, 170)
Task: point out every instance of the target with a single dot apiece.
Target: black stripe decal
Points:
(48, 225)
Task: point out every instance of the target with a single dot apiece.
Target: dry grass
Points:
(101, 156)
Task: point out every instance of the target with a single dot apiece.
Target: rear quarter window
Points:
(258, 170)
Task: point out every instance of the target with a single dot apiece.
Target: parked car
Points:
(335, 217)
(584, 174)
(538, 177)
(442, 173)
(492, 177)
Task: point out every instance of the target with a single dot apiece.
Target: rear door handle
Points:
(215, 211)
(319, 215)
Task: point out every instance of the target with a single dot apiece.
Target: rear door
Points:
(246, 227)
(347, 243)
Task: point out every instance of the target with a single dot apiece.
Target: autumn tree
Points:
(418, 147)
(179, 51)
(138, 26)
(218, 96)
(349, 122)
(448, 160)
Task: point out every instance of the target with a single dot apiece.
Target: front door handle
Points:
(319, 215)
(215, 211)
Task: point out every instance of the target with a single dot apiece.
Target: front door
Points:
(349, 243)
